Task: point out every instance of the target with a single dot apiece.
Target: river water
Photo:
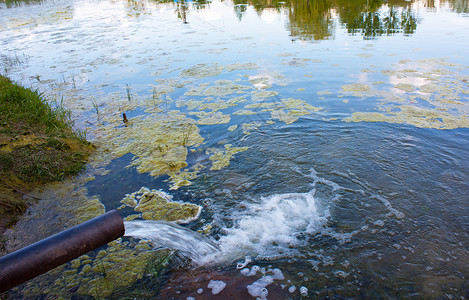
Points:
(326, 143)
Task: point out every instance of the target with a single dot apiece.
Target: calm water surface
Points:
(349, 119)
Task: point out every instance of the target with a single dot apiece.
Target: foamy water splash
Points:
(272, 228)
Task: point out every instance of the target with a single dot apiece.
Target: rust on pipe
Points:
(31, 261)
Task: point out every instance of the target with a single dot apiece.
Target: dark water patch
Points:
(122, 180)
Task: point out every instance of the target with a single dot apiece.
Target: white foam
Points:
(259, 288)
(272, 227)
(252, 272)
(217, 286)
(304, 291)
(243, 264)
(392, 210)
(278, 275)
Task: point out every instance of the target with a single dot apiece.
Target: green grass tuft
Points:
(37, 143)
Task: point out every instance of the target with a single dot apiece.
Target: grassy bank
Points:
(37, 145)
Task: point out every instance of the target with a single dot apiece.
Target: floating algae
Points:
(191, 103)
(406, 87)
(322, 93)
(292, 109)
(224, 90)
(211, 118)
(355, 87)
(283, 116)
(430, 88)
(197, 91)
(248, 127)
(434, 83)
(215, 106)
(183, 178)
(220, 89)
(242, 66)
(298, 104)
(263, 81)
(203, 70)
(158, 205)
(244, 112)
(365, 55)
(221, 158)
(415, 116)
(263, 105)
(159, 142)
(263, 95)
(117, 266)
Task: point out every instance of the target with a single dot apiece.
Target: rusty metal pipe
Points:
(31, 261)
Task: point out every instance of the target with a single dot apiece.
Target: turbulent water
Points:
(325, 142)
(271, 229)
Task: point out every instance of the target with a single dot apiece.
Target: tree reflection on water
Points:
(314, 19)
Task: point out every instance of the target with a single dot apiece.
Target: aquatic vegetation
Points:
(261, 81)
(191, 103)
(291, 109)
(158, 205)
(183, 177)
(241, 66)
(248, 127)
(434, 87)
(202, 70)
(283, 116)
(322, 93)
(244, 112)
(263, 105)
(224, 90)
(159, 142)
(37, 144)
(211, 118)
(197, 91)
(260, 96)
(412, 115)
(98, 274)
(355, 87)
(406, 87)
(220, 89)
(221, 158)
(8, 144)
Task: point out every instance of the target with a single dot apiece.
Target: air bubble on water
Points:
(253, 271)
(304, 291)
(243, 264)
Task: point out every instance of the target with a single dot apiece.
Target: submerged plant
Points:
(96, 108)
(127, 89)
